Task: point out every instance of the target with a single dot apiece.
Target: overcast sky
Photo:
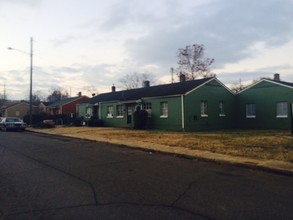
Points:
(92, 43)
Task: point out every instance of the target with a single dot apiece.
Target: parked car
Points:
(12, 123)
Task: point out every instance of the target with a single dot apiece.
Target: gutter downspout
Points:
(100, 111)
(182, 113)
(291, 108)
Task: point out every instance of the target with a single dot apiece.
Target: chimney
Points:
(79, 94)
(113, 88)
(277, 77)
(146, 83)
(182, 77)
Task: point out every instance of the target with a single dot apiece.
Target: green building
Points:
(202, 104)
(265, 105)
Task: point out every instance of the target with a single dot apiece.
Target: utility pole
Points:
(291, 113)
(31, 84)
(31, 78)
(172, 74)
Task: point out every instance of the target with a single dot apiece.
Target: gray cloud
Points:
(22, 2)
(226, 28)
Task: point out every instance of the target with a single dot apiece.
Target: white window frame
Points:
(204, 108)
(250, 110)
(17, 113)
(148, 107)
(164, 110)
(89, 112)
(110, 111)
(282, 110)
(120, 111)
(222, 109)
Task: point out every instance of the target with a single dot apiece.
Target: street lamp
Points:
(31, 76)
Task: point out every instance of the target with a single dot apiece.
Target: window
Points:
(164, 109)
(110, 111)
(282, 110)
(221, 109)
(120, 111)
(89, 112)
(204, 109)
(250, 110)
(17, 113)
(148, 108)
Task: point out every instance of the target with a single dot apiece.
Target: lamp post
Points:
(31, 77)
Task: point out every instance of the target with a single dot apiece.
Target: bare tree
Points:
(136, 80)
(237, 87)
(37, 96)
(91, 89)
(192, 63)
(57, 95)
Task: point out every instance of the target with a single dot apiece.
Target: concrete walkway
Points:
(276, 166)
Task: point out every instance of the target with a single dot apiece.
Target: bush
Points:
(140, 119)
(44, 125)
(95, 122)
(36, 118)
(77, 122)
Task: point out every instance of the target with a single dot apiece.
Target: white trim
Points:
(265, 80)
(182, 114)
(282, 116)
(199, 86)
(100, 110)
(214, 78)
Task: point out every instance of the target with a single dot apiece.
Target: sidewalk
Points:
(276, 166)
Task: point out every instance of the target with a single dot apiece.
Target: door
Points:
(129, 114)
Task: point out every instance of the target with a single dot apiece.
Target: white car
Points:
(12, 123)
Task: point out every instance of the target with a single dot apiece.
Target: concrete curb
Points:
(273, 166)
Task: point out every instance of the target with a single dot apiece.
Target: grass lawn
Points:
(258, 144)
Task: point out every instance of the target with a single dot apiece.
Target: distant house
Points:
(265, 105)
(16, 109)
(66, 106)
(202, 104)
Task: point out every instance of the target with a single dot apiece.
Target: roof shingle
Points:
(179, 88)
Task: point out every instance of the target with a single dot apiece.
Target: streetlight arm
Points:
(21, 51)
(31, 74)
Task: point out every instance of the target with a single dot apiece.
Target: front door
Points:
(129, 114)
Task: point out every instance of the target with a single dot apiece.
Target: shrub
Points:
(95, 122)
(44, 125)
(77, 122)
(140, 119)
(36, 118)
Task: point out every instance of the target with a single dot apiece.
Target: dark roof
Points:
(64, 101)
(179, 88)
(9, 104)
(282, 82)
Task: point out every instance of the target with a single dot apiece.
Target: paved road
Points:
(45, 177)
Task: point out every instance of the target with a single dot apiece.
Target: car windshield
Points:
(13, 120)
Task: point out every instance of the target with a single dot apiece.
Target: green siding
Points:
(265, 96)
(81, 110)
(212, 92)
(173, 121)
(114, 121)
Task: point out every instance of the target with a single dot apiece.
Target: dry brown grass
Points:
(267, 145)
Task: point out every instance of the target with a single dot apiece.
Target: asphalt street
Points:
(50, 177)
